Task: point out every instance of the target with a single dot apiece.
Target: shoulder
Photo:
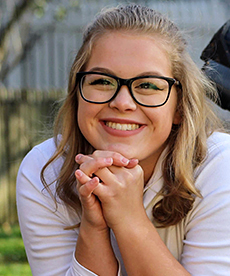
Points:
(32, 164)
(40, 154)
(218, 141)
(214, 173)
(45, 150)
(218, 150)
(207, 223)
(37, 204)
(212, 180)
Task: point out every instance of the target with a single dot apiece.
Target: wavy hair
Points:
(187, 141)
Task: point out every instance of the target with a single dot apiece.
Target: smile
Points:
(125, 127)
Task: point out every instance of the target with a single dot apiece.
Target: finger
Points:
(80, 158)
(87, 189)
(90, 166)
(81, 176)
(115, 174)
(132, 163)
(116, 180)
(106, 176)
(118, 159)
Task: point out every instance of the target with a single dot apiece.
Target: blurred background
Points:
(38, 42)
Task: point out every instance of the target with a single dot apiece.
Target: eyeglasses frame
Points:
(126, 82)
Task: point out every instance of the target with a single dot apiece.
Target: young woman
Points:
(136, 178)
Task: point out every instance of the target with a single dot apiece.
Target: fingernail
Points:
(78, 173)
(78, 157)
(109, 160)
(94, 180)
(125, 160)
(135, 160)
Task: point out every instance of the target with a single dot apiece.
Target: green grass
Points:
(20, 269)
(13, 260)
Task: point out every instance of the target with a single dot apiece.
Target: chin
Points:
(123, 150)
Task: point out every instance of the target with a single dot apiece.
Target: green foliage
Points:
(8, 232)
(13, 260)
(12, 250)
(21, 269)
(61, 13)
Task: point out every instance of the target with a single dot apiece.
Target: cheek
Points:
(82, 116)
(87, 117)
(161, 116)
(162, 119)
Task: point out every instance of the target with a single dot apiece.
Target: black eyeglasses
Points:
(149, 91)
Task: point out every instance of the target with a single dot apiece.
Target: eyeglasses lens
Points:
(98, 88)
(147, 91)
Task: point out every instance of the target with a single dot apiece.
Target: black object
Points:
(217, 63)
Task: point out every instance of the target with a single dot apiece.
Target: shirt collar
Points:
(154, 184)
(157, 174)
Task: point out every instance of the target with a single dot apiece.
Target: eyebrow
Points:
(108, 71)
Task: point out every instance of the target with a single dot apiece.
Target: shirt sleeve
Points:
(207, 241)
(49, 247)
(80, 270)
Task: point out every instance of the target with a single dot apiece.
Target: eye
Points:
(102, 81)
(148, 85)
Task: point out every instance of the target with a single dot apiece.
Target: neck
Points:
(148, 168)
(148, 165)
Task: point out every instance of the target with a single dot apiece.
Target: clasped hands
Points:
(110, 189)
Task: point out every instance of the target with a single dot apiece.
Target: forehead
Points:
(130, 52)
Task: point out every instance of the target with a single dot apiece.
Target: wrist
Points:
(135, 221)
(87, 229)
(131, 218)
(94, 251)
(95, 224)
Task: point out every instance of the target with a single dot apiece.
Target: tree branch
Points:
(26, 47)
(18, 12)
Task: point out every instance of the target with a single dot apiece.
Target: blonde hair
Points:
(187, 141)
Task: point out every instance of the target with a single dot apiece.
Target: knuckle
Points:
(82, 167)
(84, 191)
(96, 153)
(117, 157)
(138, 169)
(99, 160)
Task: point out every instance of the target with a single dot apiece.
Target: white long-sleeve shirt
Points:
(200, 242)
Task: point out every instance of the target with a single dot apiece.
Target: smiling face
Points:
(122, 125)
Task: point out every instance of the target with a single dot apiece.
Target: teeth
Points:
(122, 126)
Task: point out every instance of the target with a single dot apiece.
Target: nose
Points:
(123, 101)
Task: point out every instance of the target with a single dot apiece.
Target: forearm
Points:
(143, 251)
(94, 252)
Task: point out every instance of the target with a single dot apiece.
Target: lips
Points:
(121, 126)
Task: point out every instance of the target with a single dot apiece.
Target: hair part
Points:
(187, 141)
